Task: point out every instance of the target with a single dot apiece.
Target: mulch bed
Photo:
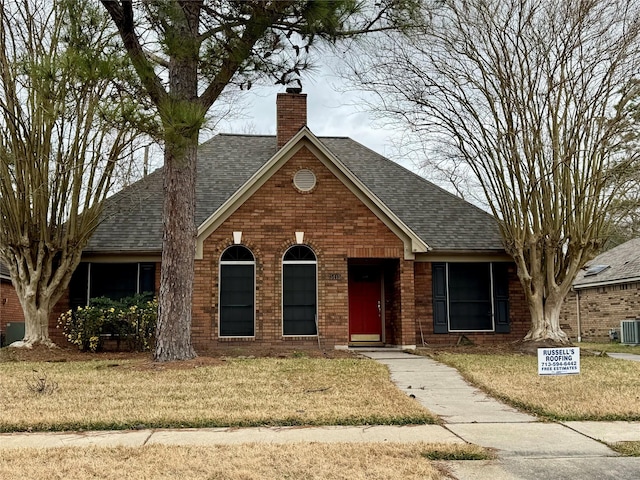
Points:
(42, 353)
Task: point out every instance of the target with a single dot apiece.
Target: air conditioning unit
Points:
(630, 332)
(14, 332)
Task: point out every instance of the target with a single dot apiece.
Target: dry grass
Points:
(605, 389)
(122, 394)
(629, 449)
(309, 461)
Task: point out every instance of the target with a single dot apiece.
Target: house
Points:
(305, 241)
(10, 308)
(604, 293)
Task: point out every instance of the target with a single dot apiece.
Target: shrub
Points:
(130, 321)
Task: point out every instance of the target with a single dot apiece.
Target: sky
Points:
(331, 111)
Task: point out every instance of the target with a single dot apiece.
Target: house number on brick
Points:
(335, 276)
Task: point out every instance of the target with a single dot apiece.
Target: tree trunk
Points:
(545, 320)
(544, 295)
(182, 116)
(36, 323)
(173, 332)
(40, 283)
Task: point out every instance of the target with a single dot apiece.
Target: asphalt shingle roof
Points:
(133, 217)
(443, 220)
(623, 264)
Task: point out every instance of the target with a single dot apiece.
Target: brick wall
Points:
(337, 226)
(601, 309)
(340, 229)
(10, 308)
(407, 302)
(519, 316)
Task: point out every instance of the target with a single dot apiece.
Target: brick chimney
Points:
(291, 114)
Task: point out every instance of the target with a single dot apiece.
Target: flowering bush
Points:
(130, 321)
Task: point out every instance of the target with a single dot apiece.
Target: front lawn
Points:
(605, 389)
(309, 461)
(134, 393)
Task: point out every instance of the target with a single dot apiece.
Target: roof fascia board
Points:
(304, 137)
(606, 283)
(471, 257)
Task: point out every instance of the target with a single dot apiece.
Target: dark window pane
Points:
(78, 286)
(236, 300)
(237, 253)
(470, 296)
(114, 280)
(299, 252)
(299, 299)
(148, 278)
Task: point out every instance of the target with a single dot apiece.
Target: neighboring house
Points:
(306, 241)
(10, 308)
(605, 292)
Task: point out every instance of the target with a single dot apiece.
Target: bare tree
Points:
(529, 97)
(625, 212)
(59, 145)
(186, 53)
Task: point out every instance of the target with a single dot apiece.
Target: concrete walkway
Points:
(443, 391)
(232, 436)
(527, 448)
(625, 356)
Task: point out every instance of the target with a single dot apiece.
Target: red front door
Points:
(365, 302)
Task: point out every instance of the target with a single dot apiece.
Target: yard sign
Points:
(559, 361)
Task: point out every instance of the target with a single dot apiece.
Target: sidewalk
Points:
(625, 356)
(232, 436)
(511, 438)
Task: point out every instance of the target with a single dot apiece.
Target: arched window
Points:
(237, 292)
(299, 291)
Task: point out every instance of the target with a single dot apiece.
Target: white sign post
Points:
(559, 361)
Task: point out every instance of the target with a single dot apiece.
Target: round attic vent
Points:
(304, 180)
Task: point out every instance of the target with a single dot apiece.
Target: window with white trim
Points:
(237, 292)
(299, 291)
